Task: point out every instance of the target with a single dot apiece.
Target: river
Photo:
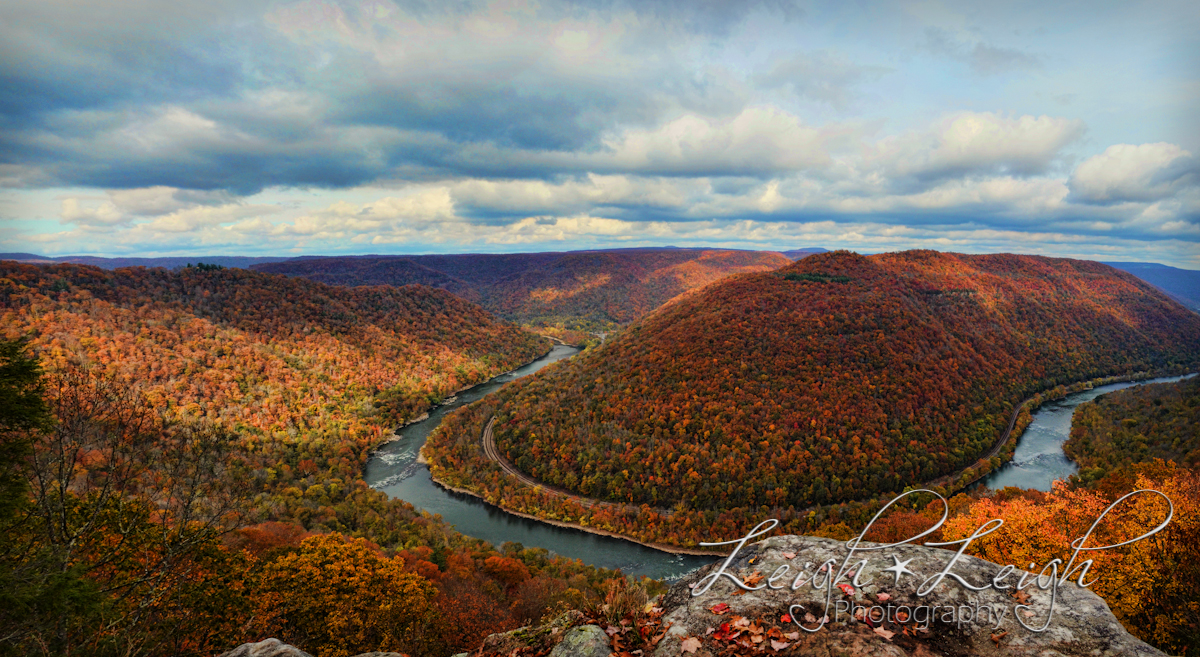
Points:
(1037, 462)
(1039, 458)
(394, 470)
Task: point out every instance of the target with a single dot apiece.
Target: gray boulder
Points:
(950, 619)
(277, 648)
(266, 648)
(583, 641)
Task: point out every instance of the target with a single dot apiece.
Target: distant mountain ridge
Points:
(172, 262)
(1182, 284)
(576, 289)
(797, 254)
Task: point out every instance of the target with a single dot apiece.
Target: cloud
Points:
(507, 198)
(821, 75)
(327, 125)
(154, 201)
(1142, 173)
(976, 143)
(106, 214)
(983, 58)
(171, 210)
(758, 140)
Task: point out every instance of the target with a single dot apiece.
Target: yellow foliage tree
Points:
(339, 596)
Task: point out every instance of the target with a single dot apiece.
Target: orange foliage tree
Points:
(1149, 585)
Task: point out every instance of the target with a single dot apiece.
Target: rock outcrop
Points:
(951, 619)
(277, 648)
(266, 648)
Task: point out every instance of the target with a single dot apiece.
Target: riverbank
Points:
(395, 434)
(1032, 404)
(661, 547)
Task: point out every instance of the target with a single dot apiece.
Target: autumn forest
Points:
(183, 450)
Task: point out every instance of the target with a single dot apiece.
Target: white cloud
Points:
(106, 214)
(970, 143)
(196, 218)
(758, 139)
(154, 201)
(1124, 172)
(539, 196)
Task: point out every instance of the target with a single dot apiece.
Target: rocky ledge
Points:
(886, 616)
(877, 609)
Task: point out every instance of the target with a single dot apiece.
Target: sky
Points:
(150, 128)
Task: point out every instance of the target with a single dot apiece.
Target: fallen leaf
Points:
(846, 588)
(809, 618)
(752, 579)
(691, 644)
(785, 619)
(788, 555)
(719, 608)
(884, 597)
(996, 637)
(779, 645)
(884, 633)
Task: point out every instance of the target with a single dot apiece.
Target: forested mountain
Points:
(579, 290)
(196, 478)
(839, 377)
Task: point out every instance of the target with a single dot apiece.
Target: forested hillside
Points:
(198, 464)
(1128, 426)
(263, 352)
(577, 290)
(838, 378)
